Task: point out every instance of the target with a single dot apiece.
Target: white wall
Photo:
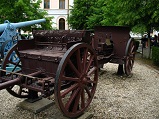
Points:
(58, 13)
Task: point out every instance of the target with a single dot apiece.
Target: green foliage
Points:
(23, 10)
(155, 55)
(80, 13)
(140, 15)
(104, 13)
(86, 14)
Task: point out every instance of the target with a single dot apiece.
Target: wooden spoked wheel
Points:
(12, 63)
(130, 57)
(76, 80)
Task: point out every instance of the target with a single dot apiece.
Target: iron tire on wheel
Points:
(6, 47)
(129, 57)
(15, 90)
(79, 70)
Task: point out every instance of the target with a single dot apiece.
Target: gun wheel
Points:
(76, 80)
(12, 63)
(130, 57)
(6, 47)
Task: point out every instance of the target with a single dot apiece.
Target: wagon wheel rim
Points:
(12, 59)
(130, 57)
(6, 47)
(75, 99)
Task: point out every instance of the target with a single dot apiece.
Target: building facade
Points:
(60, 10)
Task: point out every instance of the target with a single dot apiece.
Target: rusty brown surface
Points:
(118, 36)
(47, 48)
(62, 36)
(56, 68)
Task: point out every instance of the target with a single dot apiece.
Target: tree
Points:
(87, 14)
(23, 10)
(104, 13)
(140, 15)
(80, 13)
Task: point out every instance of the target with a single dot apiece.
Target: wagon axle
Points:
(32, 82)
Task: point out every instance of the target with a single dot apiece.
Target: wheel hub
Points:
(83, 79)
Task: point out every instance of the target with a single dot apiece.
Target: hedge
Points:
(155, 55)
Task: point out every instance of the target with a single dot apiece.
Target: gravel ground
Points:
(117, 97)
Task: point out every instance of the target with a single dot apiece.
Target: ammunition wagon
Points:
(65, 63)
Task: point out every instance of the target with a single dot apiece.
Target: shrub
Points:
(155, 55)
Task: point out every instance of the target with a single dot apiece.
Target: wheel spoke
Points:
(72, 98)
(133, 53)
(88, 92)
(132, 63)
(64, 78)
(127, 62)
(14, 56)
(90, 81)
(11, 62)
(131, 57)
(85, 59)
(14, 63)
(68, 90)
(75, 107)
(73, 68)
(78, 57)
(129, 66)
(16, 51)
(89, 63)
(16, 66)
(82, 98)
(92, 70)
(132, 49)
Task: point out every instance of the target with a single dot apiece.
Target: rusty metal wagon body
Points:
(64, 63)
(114, 44)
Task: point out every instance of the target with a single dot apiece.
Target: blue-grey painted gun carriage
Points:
(10, 34)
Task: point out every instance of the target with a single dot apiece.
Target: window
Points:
(61, 24)
(46, 4)
(61, 4)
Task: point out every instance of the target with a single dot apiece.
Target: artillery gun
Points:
(65, 63)
(10, 35)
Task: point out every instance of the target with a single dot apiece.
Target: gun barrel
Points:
(27, 23)
(22, 24)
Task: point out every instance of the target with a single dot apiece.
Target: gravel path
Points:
(117, 97)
